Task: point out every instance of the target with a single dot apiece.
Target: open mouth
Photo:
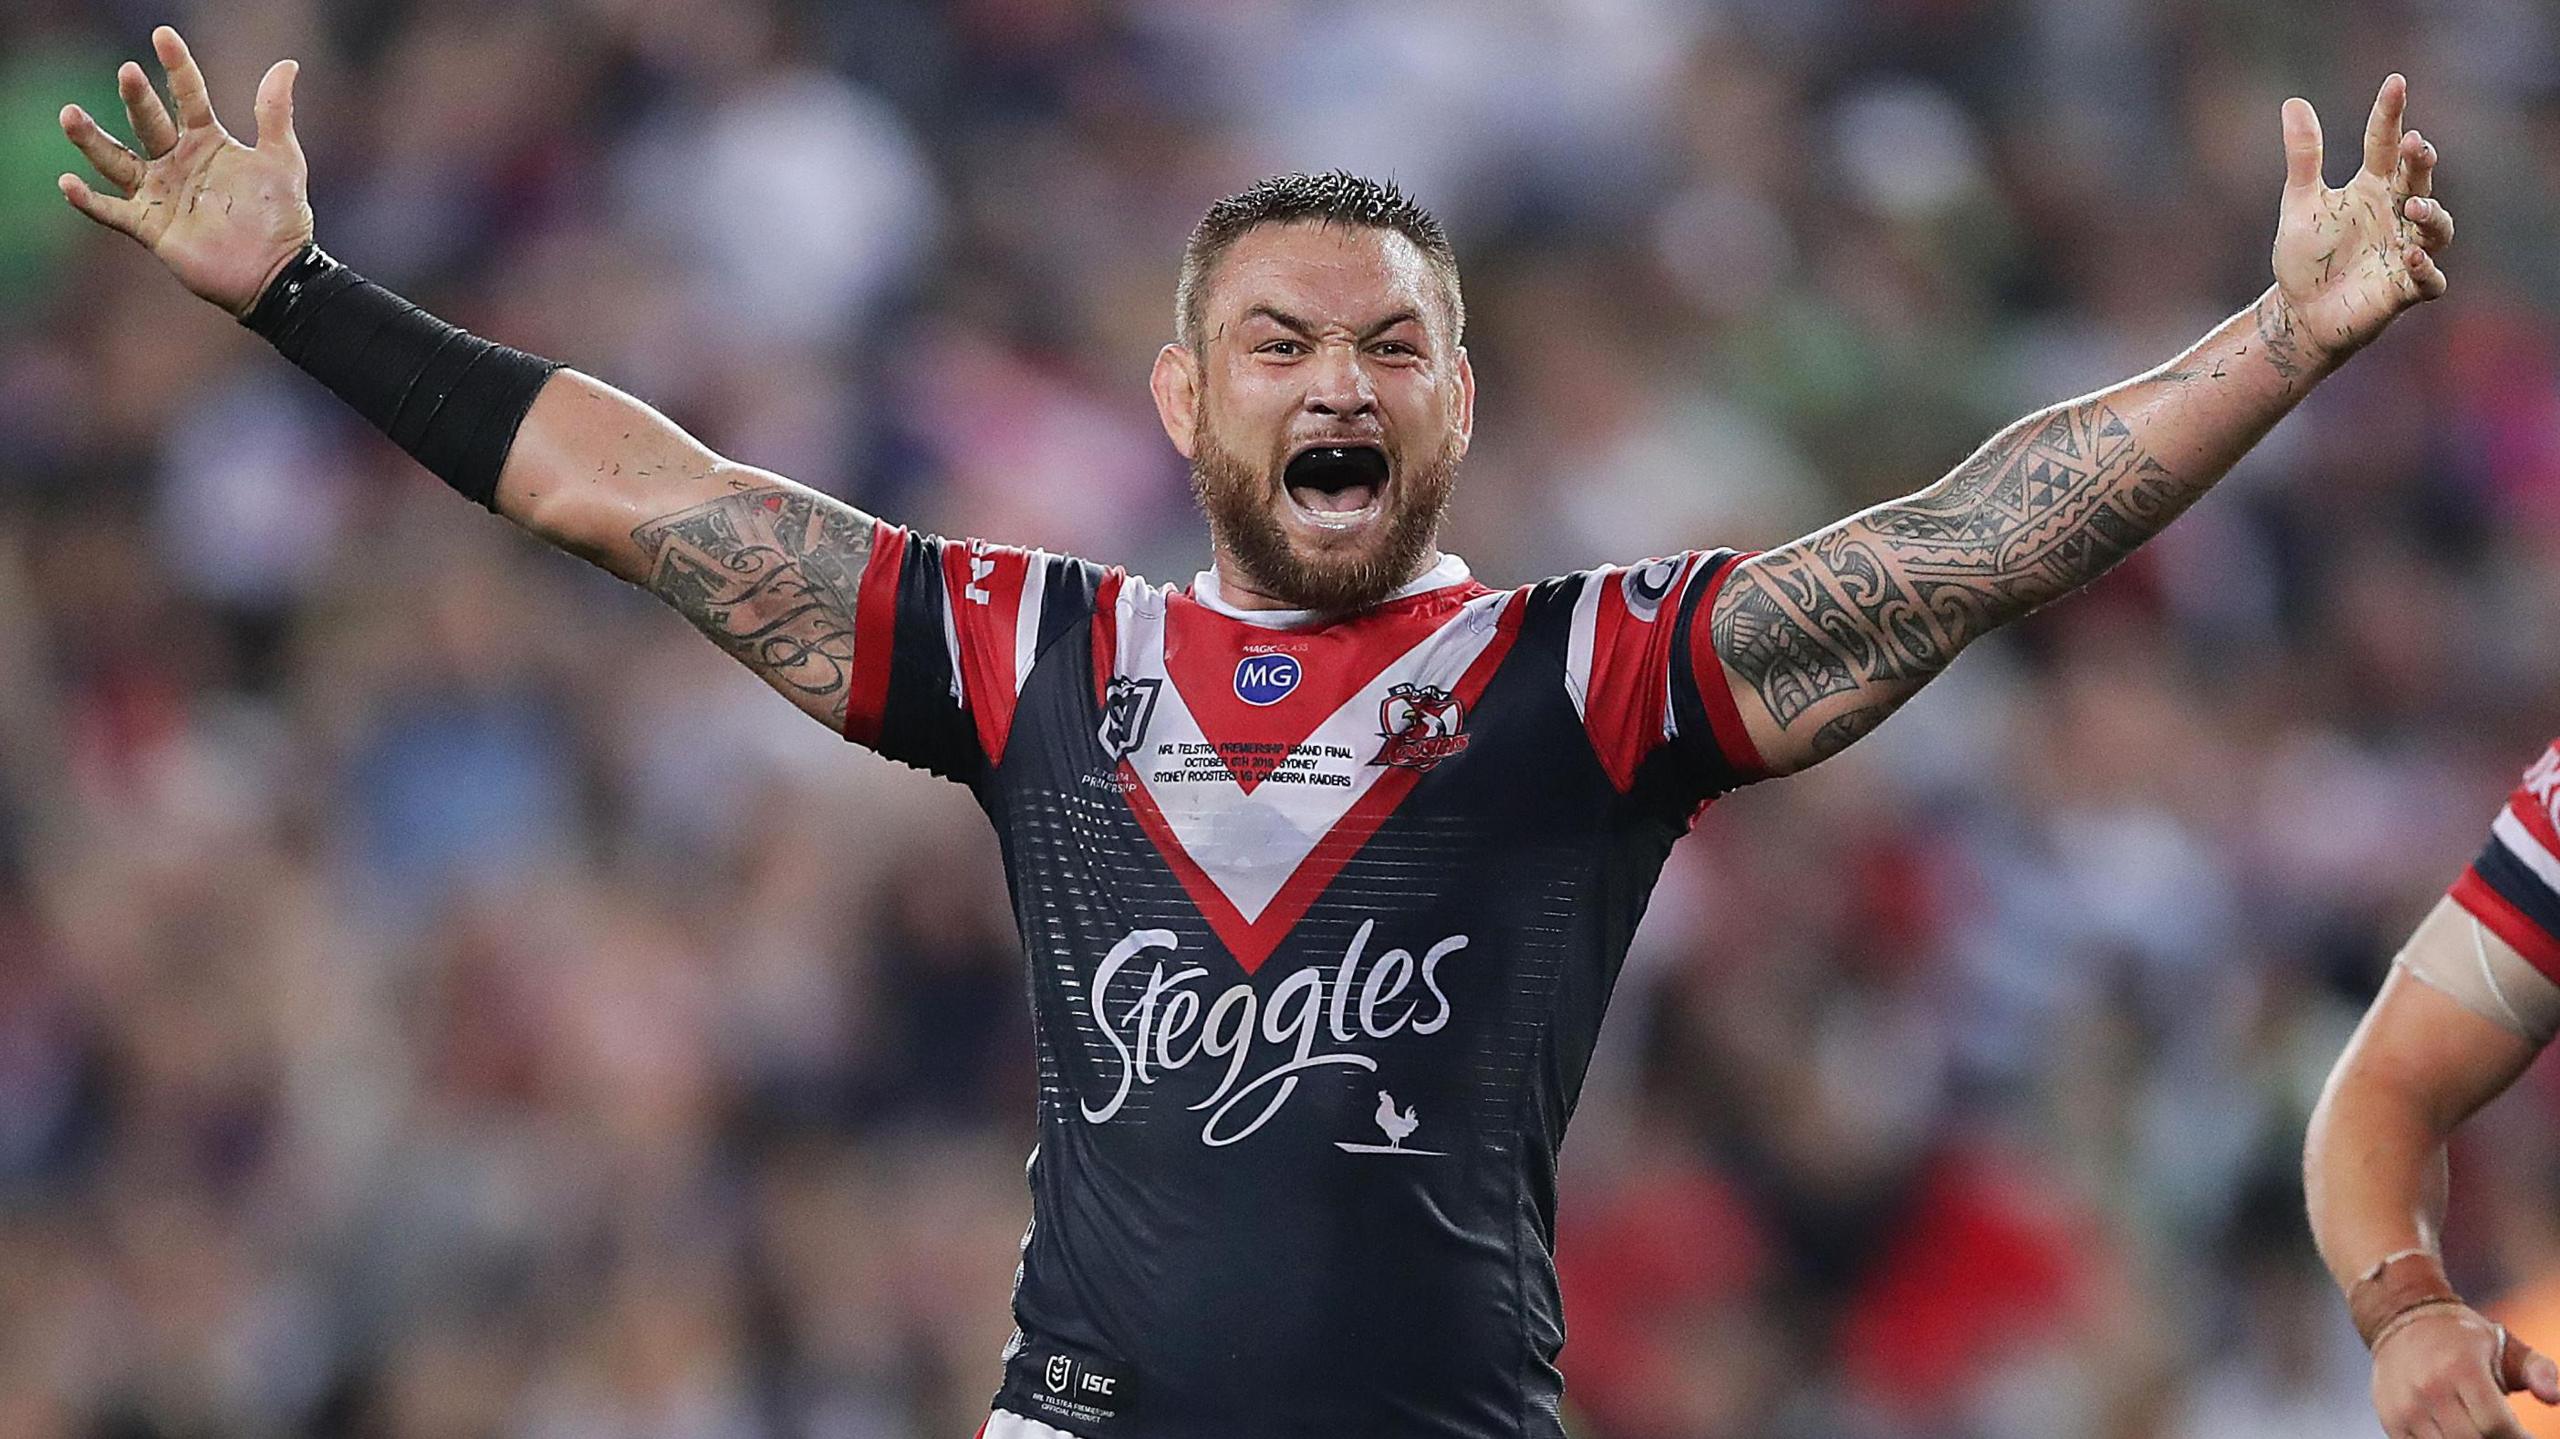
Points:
(1336, 484)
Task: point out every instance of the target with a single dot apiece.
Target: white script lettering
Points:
(1167, 1026)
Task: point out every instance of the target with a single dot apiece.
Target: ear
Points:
(1175, 381)
(1464, 421)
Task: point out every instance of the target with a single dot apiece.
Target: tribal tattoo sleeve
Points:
(1835, 630)
(770, 574)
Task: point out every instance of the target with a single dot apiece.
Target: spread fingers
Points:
(152, 128)
(2417, 173)
(121, 167)
(2432, 222)
(107, 210)
(2382, 127)
(186, 82)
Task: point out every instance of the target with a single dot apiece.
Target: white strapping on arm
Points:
(2456, 955)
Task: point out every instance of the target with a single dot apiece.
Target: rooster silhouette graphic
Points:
(1397, 1125)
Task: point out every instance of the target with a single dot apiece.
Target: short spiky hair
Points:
(1336, 197)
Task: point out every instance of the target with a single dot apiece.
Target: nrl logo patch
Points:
(1422, 725)
(1126, 709)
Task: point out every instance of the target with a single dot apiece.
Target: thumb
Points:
(275, 105)
(2301, 149)
(2521, 1368)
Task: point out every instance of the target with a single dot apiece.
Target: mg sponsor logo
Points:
(1266, 679)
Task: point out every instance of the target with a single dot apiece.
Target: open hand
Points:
(223, 216)
(2349, 259)
(2447, 1373)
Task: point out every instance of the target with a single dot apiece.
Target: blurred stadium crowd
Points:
(440, 996)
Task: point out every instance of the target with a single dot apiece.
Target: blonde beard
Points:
(1245, 525)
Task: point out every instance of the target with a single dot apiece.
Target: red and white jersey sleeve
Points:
(947, 634)
(2514, 886)
(1641, 669)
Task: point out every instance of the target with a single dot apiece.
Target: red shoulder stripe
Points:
(1714, 690)
(875, 626)
(2507, 922)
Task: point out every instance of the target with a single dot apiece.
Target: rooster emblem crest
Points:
(1399, 1125)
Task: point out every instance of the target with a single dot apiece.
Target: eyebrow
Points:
(1292, 323)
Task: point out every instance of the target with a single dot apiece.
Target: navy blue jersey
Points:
(1322, 918)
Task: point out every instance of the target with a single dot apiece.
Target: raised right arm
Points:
(767, 568)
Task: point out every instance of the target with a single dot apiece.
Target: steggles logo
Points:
(1170, 1025)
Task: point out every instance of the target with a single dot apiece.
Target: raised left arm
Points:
(1823, 638)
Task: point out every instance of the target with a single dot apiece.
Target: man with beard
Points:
(1324, 865)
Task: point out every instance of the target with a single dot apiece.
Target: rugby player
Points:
(1324, 865)
(2471, 999)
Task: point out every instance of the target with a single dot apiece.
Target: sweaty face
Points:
(1328, 415)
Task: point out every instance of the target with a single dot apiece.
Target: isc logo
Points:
(1082, 1384)
(1265, 679)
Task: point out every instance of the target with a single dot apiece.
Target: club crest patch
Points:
(1422, 725)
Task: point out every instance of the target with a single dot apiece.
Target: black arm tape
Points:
(448, 397)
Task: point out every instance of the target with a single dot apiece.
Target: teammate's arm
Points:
(767, 568)
(1824, 637)
(2459, 1018)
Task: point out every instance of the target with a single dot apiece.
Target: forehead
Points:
(1329, 274)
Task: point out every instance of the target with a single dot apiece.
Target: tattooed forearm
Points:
(1881, 602)
(2285, 352)
(771, 575)
(1824, 637)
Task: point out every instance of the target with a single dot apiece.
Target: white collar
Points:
(1205, 590)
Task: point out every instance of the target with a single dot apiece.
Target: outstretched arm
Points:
(1823, 638)
(2374, 1174)
(767, 568)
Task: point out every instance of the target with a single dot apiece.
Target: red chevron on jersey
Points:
(1212, 660)
(1256, 807)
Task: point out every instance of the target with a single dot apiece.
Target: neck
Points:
(1240, 592)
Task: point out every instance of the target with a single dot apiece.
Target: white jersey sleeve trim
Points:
(2528, 850)
(1582, 636)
